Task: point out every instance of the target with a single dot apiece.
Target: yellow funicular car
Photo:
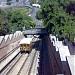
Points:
(26, 45)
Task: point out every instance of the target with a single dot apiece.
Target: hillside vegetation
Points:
(58, 17)
(15, 19)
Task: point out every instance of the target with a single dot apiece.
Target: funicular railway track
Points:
(18, 63)
(7, 59)
(21, 64)
(8, 54)
(9, 66)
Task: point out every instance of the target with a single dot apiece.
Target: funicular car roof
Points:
(26, 41)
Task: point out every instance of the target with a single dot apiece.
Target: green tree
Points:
(55, 19)
(4, 25)
(32, 1)
(39, 15)
(18, 18)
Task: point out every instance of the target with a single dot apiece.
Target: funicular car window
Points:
(24, 44)
(27, 44)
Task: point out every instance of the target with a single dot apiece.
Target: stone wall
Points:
(9, 42)
(64, 52)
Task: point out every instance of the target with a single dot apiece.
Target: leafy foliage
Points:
(55, 18)
(4, 25)
(15, 19)
(71, 9)
(32, 1)
(18, 18)
(39, 13)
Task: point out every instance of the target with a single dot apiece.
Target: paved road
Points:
(33, 15)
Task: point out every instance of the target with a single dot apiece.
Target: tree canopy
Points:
(18, 18)
(15, 19)
(32, 1)
(4, 25)
(56, 19)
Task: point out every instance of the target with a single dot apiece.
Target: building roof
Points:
(26, 41)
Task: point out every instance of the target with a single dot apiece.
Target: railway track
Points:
(7, 68)
(10, 53)
(35, 65)
(7, 55)
(21, 65)
(17, 65)
(8, 59)
(27, 65)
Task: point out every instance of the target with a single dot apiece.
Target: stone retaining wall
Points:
(9, 42)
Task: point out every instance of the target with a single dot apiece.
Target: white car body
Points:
(36, 5)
